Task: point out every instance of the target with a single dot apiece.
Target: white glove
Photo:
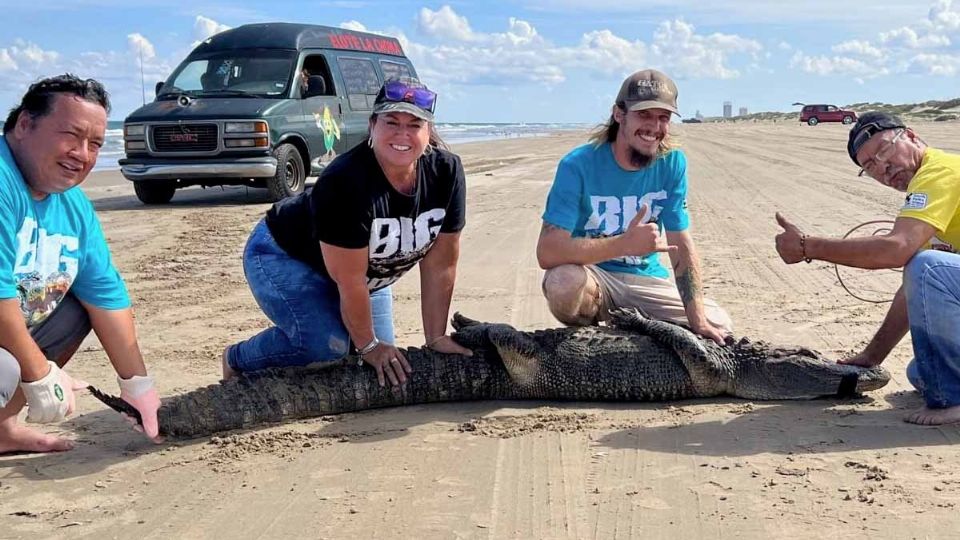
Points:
(51, 399)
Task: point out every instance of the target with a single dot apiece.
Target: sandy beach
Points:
(716, 468)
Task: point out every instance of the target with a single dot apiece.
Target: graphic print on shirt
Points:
(43, 269)
(396, 244)
(611, 215)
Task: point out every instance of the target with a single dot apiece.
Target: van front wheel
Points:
(290, 177)
(154, 192)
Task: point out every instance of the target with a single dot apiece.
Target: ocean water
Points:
(112, 149)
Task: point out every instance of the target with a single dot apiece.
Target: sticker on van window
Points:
(331, 131)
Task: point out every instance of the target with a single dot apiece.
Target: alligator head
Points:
(766, 372)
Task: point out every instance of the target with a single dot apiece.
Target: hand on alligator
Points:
(643, 238)
(446, 344)
(389, 362)
(51, 398)
(789, 242)
(862, 359)
(709, 331)
(139, 392)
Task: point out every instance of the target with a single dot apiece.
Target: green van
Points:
(263, 105)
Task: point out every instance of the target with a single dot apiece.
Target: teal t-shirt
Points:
(592, 196)
(50, 247)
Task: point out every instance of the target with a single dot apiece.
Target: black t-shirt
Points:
(353, 205)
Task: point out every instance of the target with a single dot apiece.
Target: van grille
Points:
(184, 138)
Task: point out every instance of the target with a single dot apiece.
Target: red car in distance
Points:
(814, 114)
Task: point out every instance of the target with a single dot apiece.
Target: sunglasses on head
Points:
(415, 93)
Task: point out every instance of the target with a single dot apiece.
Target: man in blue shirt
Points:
(601, 236)
(57, 280)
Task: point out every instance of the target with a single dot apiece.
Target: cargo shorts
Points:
(62, 331)
(658, 298)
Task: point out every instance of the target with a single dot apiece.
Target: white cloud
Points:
(935, 64)
(356, 26)
(204, 27)
(26, 52)
(941, 15)
(856, 46)
(521, 54)
(7, 63)
(836, 65)
(139, 45)
(688, 54)
(444, 23)
(908, 38)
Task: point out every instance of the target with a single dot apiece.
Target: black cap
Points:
(867, 126)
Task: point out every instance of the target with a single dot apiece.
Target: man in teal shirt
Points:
(601, 238)
(57, 280)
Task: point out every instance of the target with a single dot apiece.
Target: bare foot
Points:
(228, 372)
(934, 417)
(17, 438)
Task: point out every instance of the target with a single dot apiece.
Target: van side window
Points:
(394, 70)
(361, 81)
(316, 66)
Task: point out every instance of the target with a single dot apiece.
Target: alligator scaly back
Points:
(634, 360)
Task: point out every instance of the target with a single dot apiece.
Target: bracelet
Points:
(369, 347)
(803, 249)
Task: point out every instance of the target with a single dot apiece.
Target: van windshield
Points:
(237, 72)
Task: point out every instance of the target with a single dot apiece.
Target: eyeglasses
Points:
(881, 156)
(409, 92)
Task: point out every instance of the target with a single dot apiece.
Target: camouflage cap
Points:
(648, 89)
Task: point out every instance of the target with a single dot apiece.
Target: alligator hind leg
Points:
(691, 350)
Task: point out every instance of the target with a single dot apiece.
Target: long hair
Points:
(39, 97)
(607, 133)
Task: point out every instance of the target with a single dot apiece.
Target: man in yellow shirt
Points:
(925, 240)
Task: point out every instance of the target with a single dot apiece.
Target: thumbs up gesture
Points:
(790, 242)
(642, 238)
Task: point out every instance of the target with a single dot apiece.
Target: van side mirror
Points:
(156, 89)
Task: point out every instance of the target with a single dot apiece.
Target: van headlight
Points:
(134, 130)
(245, 127)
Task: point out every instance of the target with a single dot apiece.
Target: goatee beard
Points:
(639, 159)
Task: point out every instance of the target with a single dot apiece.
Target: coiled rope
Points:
(879, 230)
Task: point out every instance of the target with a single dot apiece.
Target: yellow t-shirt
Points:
(933, 197)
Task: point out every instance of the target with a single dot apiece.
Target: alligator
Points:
(631, 359)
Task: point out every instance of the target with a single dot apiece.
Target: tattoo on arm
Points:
(688, 283)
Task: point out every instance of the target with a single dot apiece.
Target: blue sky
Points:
(533, 60)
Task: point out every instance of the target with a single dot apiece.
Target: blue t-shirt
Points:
(50, 247)
(592, 196)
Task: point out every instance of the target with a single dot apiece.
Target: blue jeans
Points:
(932, 284)
(304, 307)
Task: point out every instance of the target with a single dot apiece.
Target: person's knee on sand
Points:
(306, 348)
(9, 377)
(572, 295)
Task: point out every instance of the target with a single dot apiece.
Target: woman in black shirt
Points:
(320, 264)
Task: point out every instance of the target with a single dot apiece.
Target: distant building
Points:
(743, 111)
(727, 109)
